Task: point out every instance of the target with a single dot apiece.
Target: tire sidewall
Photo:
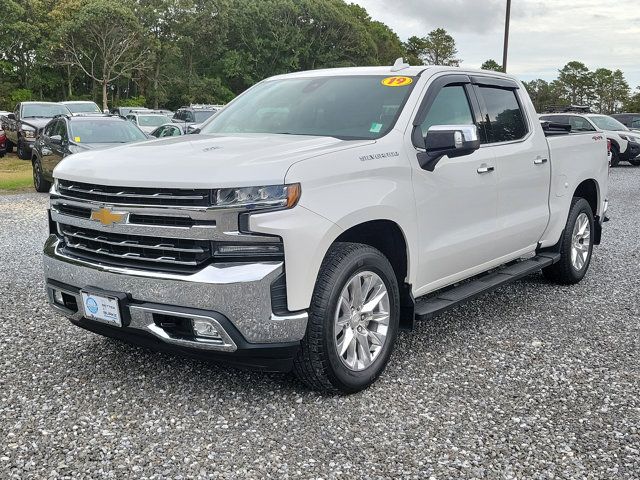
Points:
(37, 175)
(615, 156)
(341, 376)
(581, 206)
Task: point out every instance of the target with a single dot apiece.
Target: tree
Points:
(104, 40)
(544, 94)
(632, 102)
(491, 65)
(414, 48)
(577, 82)
(440, 49)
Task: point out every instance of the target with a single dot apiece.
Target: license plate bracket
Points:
(105, 307)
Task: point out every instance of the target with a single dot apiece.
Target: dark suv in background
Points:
(193, 116)
(67, 134)
(629, 120)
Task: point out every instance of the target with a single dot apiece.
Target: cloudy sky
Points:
(545, 34)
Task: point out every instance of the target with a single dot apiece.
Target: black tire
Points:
(39, 182)
(615, 156)
(564, 272)
(318, 363)
(635, 162)
(22, 151)
(9, 146)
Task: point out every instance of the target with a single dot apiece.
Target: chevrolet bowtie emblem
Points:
(106, 217)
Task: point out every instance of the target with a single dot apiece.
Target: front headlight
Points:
(29, 133)
(258, 198)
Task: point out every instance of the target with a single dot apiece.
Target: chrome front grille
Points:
(135, 195)
(148, 235)
(134, 249)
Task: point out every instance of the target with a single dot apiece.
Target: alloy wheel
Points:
(580, 241)
(361, 320)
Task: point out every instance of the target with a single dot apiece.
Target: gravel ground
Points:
(534, 381)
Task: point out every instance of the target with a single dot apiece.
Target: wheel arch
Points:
(389, 238)
(590, 191)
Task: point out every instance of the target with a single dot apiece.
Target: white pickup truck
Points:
(319, 213)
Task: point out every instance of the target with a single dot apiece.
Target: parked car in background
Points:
(320, 213)
(147, 122)
(3, 143)
(168, 130)
(82, 106)
(123, 111)
(629, 120)
(68, 134)
(193, 116)
(22, 125)
(625, 144)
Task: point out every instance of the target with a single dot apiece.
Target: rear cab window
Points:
(504, 119)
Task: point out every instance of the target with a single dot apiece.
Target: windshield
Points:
(604, 122)
(152, 120)
(84, 107)
(202, 116)
(357, 107)
(105, 131)
(44, 110)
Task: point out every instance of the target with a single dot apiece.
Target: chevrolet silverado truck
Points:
(24, 123)
(321, 212)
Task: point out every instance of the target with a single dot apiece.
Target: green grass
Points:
(15, 174)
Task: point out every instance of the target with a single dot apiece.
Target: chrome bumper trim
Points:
(239, 291)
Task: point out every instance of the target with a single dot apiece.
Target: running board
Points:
(441, 301)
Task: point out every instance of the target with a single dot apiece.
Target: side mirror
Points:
(449, 140)
(57, 139)
(11, 116)
(105, 111)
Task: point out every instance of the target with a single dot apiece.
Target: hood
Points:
(36, 122)
(199, 161)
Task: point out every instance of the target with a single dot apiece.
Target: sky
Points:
(545, 34)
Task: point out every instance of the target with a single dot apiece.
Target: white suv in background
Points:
(625, 143)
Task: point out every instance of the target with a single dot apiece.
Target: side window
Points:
(48, 129)
(451, 107)
(505, 120)
(173, 131)
(190, 117)
(635, 123)
(579, 124)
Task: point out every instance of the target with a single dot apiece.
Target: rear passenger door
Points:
(456, 202)
(522, 164)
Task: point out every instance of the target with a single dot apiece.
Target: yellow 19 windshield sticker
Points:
(397, 81)
(76, 139)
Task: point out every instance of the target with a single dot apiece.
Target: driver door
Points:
(457, 201)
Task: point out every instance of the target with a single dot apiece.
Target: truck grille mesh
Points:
(135, 195)
(132, 250)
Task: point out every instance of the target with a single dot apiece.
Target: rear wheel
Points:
(39, 182)
(353, 321)
(576, 245)
(615, 156)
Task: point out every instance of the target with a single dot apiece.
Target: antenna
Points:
(399, 65)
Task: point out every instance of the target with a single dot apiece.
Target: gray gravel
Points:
(534, 381)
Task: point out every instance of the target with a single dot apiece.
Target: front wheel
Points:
(22, 151)
(39, 182)
(615, 156)
(576, 245)
(353, 321)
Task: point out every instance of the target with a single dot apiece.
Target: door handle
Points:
(485, 169)
(540, 161)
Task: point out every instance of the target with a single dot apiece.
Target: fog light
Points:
(204, 329)
(57, 297)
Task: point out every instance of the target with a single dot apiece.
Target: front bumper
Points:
(235, 297)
